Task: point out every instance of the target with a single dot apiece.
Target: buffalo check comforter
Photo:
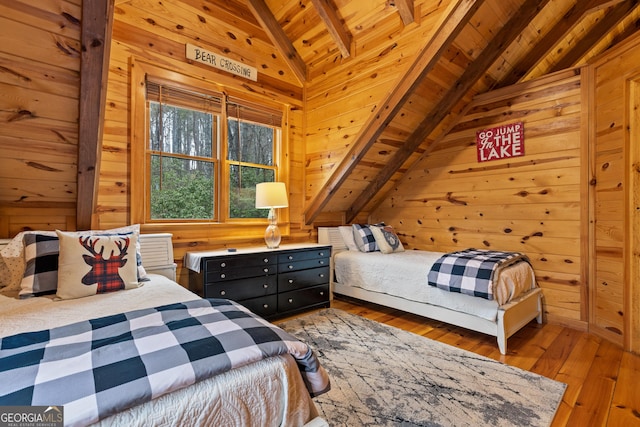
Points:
(472, 271)
(98, 367)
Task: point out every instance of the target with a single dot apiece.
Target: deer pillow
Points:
(91, 264)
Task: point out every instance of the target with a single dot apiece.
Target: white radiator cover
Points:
(157, 254)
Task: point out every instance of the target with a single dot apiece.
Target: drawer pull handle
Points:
(290, 267)
(290, 256)
(266, 270)
(266, 260)
(322, 275)
(223, 264)
(265, 286)
(321, 253)
(322, 262)
(265, 305)
(290, 300)
(322, 293)
(223, 275)
(223, 293)
(290, 281)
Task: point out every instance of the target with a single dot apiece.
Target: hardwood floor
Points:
(603, 381)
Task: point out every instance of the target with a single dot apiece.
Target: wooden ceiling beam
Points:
(274, 31)
(625, 34)
(610, 19)
(597, 5)
(97, 21)
(472, 74)
(452, 21)
(405, 9)
(340, 35)
(568, 21)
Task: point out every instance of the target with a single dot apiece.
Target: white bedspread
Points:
(404, 274)
(268, 393)
(34, 314)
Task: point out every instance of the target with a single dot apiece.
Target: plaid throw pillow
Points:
(365, 241)
(41, 265)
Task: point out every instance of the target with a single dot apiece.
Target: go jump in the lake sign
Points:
(501, 142)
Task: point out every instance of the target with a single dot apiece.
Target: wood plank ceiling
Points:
(528, 39)
(531, 38)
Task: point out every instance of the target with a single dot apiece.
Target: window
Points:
(197, 169)
(251, 152)
(182, 153)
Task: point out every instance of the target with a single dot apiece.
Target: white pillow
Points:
(347, 237)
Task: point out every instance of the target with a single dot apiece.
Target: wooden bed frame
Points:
(511, 317)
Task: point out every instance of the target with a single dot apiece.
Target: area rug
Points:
(384, 376)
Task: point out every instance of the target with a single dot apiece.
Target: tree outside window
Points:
(182, 163)
(250, 154)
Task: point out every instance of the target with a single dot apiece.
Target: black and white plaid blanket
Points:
(102, 366)
(471, 271)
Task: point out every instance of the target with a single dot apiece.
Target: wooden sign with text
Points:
(220, 62)
(500, 142)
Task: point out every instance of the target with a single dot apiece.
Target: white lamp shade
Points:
(271, 195)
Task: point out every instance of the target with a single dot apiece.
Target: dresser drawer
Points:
(233, 262)
(242, 289)
(302, 265)
(303, 298)
(263, 306)
(304, 255)
(240, 272)
(302, 279)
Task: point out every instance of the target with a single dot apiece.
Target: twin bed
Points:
(399, 280)
(257, 390)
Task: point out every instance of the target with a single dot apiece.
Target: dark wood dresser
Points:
(270, 282)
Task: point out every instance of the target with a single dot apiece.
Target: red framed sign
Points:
(501, 142)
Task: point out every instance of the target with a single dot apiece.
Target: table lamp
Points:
(271, 195)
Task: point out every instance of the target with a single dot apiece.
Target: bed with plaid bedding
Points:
(101, 366)
(472, 271)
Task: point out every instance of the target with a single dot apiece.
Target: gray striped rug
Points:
(384, 376)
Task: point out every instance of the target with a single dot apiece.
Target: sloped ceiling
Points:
(483, 45)
(526, 39)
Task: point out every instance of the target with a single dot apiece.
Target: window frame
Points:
(215, 160)
(139, 133)
(228, 163)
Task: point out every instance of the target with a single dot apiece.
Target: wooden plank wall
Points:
(614, 131)
(533, 204)
(39, 91)
(156, 34)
